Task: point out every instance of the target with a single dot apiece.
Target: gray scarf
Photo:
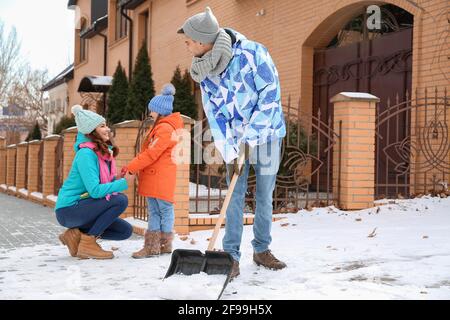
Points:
(213, 62)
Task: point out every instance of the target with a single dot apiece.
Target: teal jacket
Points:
(84, 178)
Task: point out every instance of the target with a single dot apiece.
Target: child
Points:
(157, 174)
(89, 202)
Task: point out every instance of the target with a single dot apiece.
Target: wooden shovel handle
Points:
(223, 211)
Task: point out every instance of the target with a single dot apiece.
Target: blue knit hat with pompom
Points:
(163, 104)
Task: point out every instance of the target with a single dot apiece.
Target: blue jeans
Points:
(265, 159)
(161, 215)
(98, 217)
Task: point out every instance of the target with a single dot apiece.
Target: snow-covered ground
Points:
(203, 191)
(52, 198)
(37, 195)
(395, 251)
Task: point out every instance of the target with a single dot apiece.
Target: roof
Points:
(131, 4)
(95, 84)
(71, 3)
(64, 76)
(98, 26)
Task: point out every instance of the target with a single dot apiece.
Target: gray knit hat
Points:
(202, 27)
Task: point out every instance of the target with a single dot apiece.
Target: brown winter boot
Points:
(268, 260)
(151, 246)
(90, 249)
(71, 238)
(235, 270)
(166, 242)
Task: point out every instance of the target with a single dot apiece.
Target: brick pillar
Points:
(21, 164)
(11, 166)
(125, 138)
(33, 165)
(2, 160)
(357, 160)
(70, 136)
(48, 174)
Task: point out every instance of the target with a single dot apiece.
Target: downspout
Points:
(105, 67)
(105, 53)
(130, 49)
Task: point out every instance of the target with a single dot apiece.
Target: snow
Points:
(52, 198)
(203, 191)
(358, 95)
(12, 189)
(394, 251)
(23, 191)
(137, 223)
(195, 287)
(37, 195)
(4, 186)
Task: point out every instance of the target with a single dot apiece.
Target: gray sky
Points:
(46, 31)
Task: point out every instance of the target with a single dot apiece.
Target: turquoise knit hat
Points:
(86, 120)
(163, 104)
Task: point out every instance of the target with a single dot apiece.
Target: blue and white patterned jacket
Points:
(243, 104)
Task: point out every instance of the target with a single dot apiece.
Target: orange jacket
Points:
(157, 171)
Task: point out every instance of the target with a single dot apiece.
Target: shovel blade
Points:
(218, 263)
(189, 262)
(186, 262)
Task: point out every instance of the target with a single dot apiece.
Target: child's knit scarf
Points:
(106, 175)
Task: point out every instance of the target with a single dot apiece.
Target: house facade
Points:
(302, 37)
(57, 102)
(395, 50)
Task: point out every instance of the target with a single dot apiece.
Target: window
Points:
(83, 42)
(58, 106)
(392, 19)
(121, 23)
(144, 27)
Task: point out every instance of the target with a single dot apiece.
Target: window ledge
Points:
(118, 42)
(191, 2)
(81, 64)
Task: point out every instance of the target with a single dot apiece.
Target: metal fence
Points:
(40, 167)
(305, 177)
(59, 167)
(412, 145)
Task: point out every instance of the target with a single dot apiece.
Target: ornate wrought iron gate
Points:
(382, 67)
(413, 150)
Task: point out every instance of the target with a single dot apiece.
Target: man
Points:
(241, 98)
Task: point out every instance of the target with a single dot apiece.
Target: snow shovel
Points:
(189, 262)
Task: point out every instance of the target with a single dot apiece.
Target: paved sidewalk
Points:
(25, 224)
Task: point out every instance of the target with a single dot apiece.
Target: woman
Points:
(89, 202)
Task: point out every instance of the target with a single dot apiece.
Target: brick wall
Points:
(21, 165)
(125, 137)
(70, 136)
(11, 165)
(33, 165)
(48, 178)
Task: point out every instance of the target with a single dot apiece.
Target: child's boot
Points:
(151, 245)
(166, 242)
